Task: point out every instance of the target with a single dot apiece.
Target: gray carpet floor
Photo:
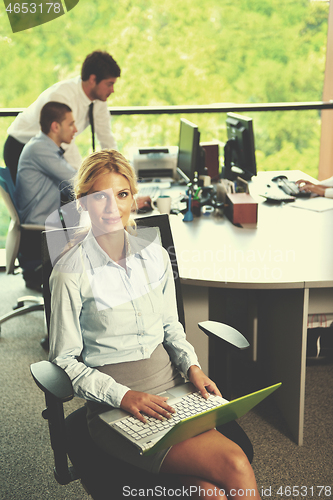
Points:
(26, 462)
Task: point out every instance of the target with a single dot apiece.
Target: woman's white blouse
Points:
(107, 314)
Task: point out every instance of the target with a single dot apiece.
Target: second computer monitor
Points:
(190, 154)
(239, 150)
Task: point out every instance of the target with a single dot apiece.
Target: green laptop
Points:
(194, 415)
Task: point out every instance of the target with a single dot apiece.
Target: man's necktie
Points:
(91, 120)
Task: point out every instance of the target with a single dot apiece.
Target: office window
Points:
(250, 51)
(189, 52)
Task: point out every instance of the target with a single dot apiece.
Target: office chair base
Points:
(21, 308)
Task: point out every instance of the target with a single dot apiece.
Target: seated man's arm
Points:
(59, 170)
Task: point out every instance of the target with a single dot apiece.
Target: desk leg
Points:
(281, 318)
(282, 350)
(237, 308)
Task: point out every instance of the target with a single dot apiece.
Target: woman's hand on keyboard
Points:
(203, 383)
(136, 403)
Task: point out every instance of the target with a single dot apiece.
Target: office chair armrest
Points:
(225, 333)
(53, 380)
(57, 386)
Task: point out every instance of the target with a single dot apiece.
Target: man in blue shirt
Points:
(43, 174)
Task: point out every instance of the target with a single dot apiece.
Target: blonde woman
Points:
(114, 308)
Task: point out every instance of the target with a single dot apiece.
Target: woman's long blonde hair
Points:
(101, 163)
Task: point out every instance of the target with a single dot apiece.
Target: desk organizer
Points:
(241, 208)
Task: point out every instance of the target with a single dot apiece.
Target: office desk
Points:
(259, 281)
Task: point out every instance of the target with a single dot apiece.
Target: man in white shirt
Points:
(43, 173)
(99, 74)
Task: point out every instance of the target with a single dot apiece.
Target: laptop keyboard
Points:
(189, 406)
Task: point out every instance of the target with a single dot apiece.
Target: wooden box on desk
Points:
(241, 208)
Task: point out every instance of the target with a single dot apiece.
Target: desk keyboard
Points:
(187, 406)
(151, 190)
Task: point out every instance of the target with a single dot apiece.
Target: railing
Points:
(208, 108)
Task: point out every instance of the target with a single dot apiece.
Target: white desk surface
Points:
(290, 247)
(273, 267)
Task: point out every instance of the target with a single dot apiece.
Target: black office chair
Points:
(101, 475)
(27, 303)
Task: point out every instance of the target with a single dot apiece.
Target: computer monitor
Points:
(239, 150)
(191, 156)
